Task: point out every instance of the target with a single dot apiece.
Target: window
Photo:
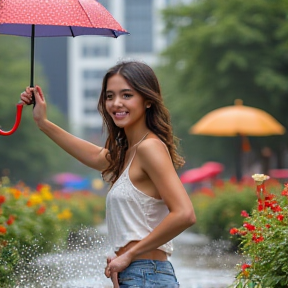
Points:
(90, 110)
(92, 93)
(138, 15)
(93, 74)
(90, 50)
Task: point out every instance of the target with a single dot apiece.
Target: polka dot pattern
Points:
(86, 17)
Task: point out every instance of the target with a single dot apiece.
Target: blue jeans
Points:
(148, 274)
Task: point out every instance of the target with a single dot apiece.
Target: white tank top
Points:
(131, 214)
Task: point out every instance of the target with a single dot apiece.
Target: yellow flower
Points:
(46, 195)
(260, 178)
(35, 199)
(65, 215)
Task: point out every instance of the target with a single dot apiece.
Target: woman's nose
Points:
(118, 101)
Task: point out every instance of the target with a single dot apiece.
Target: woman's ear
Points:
(148, 105)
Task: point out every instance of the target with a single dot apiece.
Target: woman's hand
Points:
(113, 276)
(39, 111)
(117, 264)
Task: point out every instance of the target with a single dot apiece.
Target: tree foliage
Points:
(222, 51)
(28, 154)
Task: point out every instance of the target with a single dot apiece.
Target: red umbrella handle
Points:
(17, 121)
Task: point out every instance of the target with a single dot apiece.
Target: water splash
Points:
(80, 264)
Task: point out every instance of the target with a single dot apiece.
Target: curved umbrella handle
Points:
(17, 121)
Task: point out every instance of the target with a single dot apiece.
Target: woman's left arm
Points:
(156, 162)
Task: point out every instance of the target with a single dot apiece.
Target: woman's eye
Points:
(126, 96)
(109, 96)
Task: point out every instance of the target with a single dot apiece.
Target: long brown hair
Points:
(143, 80)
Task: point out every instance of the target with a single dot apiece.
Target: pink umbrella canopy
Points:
(57, 18)
(206, 171)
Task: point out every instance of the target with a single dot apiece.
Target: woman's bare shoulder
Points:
(153, 149)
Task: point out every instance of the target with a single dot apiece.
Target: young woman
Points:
(147, 205)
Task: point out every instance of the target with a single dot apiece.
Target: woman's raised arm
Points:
(89, 154)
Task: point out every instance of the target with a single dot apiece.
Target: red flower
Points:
(245, 266)
(284, 192)
(268, 226)
(10, 220)
(41, 210)
(250, 227)
(3, 229)
(234, 231)
(2, 199)
(244, 213)
(39, 187)
(276, 208)
(260, 205)
(257, 239)
(280, 217)
(270, 197)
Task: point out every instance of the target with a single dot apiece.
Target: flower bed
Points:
(264, 239)
(218, 208)
(32, 222)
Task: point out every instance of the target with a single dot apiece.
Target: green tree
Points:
(28, 154)
(224, 50)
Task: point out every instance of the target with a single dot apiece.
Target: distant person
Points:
(147, 205)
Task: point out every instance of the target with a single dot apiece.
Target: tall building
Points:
(89, 57)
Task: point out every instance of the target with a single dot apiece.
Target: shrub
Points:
(219, 210)
(264, 239)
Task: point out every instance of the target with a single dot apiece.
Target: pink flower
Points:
(244, 213)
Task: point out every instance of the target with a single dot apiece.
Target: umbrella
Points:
(206, 171)
(66, 177)
(43, 18)
(237, 120)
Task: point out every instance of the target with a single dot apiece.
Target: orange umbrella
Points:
(237, 120)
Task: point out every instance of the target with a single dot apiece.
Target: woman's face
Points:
(125, 105)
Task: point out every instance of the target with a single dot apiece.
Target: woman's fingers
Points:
(107, 271)
(39, 96)
(26, 97)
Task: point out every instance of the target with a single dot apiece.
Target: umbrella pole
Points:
(238, 158)
(32, 62)
(32, 56)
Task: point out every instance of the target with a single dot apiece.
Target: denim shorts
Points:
(148, 274)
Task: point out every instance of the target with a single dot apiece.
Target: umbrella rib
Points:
(72, 33)
(86, 13)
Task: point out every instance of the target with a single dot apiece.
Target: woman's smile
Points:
(125, 105)
(120, 115)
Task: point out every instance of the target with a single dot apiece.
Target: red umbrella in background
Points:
(50, 18)
(206, 171)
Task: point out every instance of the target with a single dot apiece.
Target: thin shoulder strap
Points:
(136, 148)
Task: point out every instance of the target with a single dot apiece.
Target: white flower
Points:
(260, 178)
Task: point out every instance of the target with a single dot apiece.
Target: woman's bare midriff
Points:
(155, 254)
